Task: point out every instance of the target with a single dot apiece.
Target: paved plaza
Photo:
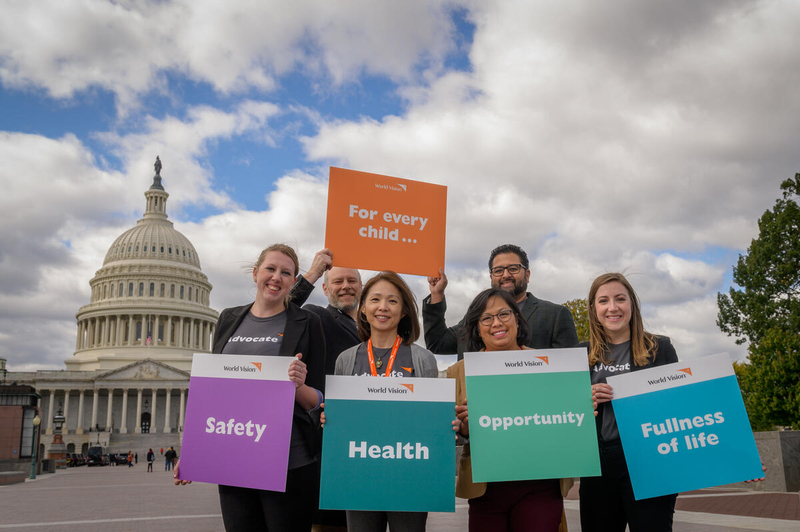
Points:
(130, 499)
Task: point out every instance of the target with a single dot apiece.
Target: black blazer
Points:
(665, 354)
(550, 326)
(303, 334)
(340, 330)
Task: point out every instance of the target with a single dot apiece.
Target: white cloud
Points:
(128, 47)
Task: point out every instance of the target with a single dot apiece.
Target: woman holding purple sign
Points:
(493, 323)
(619, 344)
(273, 326)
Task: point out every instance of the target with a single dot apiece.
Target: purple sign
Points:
(239, 424)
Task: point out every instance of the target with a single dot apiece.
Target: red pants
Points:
(527, 505)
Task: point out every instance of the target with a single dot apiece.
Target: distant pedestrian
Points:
(130, 459)
(169, 456)
(136, 457)
(151, 456)
(162, 451)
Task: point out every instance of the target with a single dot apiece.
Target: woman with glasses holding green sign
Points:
(493, 323)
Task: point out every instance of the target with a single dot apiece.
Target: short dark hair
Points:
(509, 248)
(471, 333)
(408, 328)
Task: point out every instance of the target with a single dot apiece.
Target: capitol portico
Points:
(148, 313)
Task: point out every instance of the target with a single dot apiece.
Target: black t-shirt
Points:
(619, 361)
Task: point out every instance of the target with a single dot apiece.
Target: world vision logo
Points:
(686, 370)
(257, 364)
(544, 359)
(396, 188)
(409, 386)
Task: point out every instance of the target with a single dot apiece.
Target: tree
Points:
(765, 311)
(769, 275)
(580, 316)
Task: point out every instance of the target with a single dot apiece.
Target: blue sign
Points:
(684, 427)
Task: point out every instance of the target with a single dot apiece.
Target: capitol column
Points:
(154, 410)
(131, 332)
(66, 412)
(118, 335)
(181, 412)
(109, 407)
(167, 428)
(138, 428)
(78, 341)
(79, 428)
(123, 428)
(95, 400)
(180, 336)
(50, 412)
(95, 333)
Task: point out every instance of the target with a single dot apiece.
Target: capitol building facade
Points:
(148, 313)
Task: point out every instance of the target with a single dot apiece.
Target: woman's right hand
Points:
(461, 423)
(175, 479)
(602, 393)
(322, 415)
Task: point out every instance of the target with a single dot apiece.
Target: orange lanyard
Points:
(396, 346)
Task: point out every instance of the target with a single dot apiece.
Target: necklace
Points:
(374, 365)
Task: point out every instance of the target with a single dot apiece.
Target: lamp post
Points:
(36, 422)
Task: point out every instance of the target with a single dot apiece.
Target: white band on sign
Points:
(251, 367)
(390, 389)
(671, 375)
(526, 361)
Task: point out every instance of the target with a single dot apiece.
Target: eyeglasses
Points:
(513, 269)
(504, 315)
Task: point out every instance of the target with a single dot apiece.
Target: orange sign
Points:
(377, 222)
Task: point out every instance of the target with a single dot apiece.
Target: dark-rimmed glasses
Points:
(504, 315)
(513, 269)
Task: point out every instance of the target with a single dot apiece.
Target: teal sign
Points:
(530, 415)
(388, 445)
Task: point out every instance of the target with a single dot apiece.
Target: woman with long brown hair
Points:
(619, 344)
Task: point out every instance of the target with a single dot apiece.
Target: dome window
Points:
(162, 290)
(129, 249)
(154, 249)
(172, 291)
(141, 289)
(145, 248)
(152, 289)
(170, 250)
(130, 290)
(162, 249)
(190, 293)
(137, 248)
(181, 291)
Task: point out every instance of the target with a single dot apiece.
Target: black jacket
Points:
(303, 334)
(340, 330)
(550, 326)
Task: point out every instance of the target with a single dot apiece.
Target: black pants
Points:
(245, 509)
(607, 502)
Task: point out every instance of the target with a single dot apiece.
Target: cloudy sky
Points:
(600, 136)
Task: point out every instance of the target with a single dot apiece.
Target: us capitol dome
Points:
(149, 300)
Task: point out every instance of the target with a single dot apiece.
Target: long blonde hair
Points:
(643, 344)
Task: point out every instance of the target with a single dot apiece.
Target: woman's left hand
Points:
(602, 393)
(298, 371)
(764, 469)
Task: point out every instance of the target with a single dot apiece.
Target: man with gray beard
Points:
(342, 286)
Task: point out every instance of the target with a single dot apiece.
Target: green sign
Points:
(530, 415)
